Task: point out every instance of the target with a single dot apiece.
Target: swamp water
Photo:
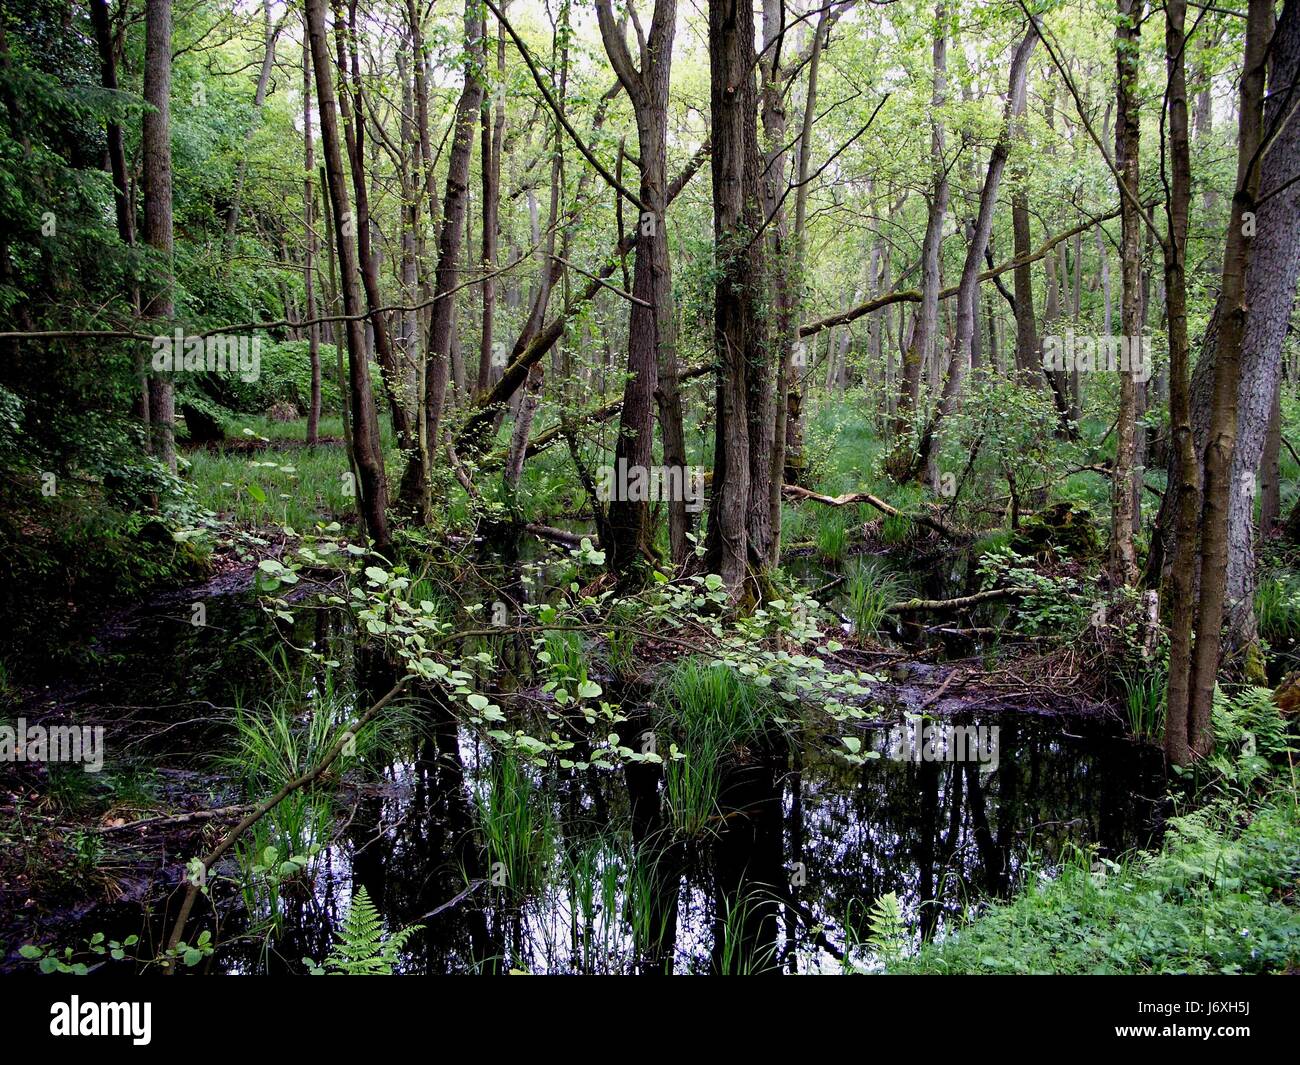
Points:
(515, 867)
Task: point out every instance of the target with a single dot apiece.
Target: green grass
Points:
(278, 739)
(281, 485)
(518, 828)
(1277, 608)
(709, 709)
(872, 589)
(1144, 703)
(293, 487)
(832, 536)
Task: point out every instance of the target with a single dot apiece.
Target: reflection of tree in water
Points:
(938, 833)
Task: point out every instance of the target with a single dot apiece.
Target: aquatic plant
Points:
(1144, 702)
(518, 829)
(711, 708)
(872, 589)
(832, 537)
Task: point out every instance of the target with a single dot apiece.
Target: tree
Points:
(650, 320)
(739, 341)
(1221, 441)
(373, 486)
(1128, 29)
(156, 149)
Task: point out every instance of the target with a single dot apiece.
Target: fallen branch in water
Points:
(560, 536)
(178, 819)
(794, 491)
(260, 811)
(916, 606)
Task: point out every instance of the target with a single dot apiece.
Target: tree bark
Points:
(650, 321)
(1123, 554)
(738, 286)
(309, 252)
(454, 209)
(1185, 485)
(156, 148)
(968, 287)
(920, 351)
(352, 114)
(373, 486)
(1221, 442)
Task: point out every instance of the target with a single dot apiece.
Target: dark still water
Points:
(551, 869)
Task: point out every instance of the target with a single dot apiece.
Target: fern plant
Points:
(362, 946)
(1250, 737)
(888, 936)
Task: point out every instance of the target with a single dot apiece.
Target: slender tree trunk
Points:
(1123, 553)
(454, 209)
(738, 287)
(271, 33)
(920, 350)
(493, 123)
(156, 148)
(352, 113)
(1222, 435)
(368, 452)
(968, 287)
(1185, 485)
(122, 205)
(787, 261)
(650, 322)
(309, 253)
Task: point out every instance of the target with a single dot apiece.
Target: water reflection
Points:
(803, 845)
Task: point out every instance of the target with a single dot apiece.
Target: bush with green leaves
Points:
(1217, 898)
(1054, 605)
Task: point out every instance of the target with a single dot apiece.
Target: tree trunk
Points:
(352, 114)
(1185, 485)
(373, 486)
(968, 287)
(738, 286)
(156, 148)
(493, 123)
(309, 254)
(454, 210)
(271, 32)
(1221, 442)
(1271, 276)
(650, 322)
(1123, 554)
(920, 351)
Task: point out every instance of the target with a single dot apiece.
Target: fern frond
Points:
(362, 947)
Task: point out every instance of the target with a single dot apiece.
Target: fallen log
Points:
(560, 536)
(193, 817)
(794, 491)
(917, 606)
